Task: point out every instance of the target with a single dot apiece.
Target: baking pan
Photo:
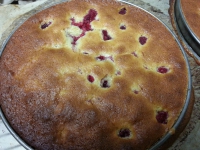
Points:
(164, 138)
(185, 32)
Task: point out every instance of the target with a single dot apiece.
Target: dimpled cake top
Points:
(92, 74)
(191, 12)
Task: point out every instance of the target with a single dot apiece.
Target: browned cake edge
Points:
(182, 126)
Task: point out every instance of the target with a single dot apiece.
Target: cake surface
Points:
(190, 10)
(95, 74)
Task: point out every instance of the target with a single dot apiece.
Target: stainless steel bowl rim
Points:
(166, 136)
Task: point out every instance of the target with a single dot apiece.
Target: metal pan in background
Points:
(185, 32)
(157, 145)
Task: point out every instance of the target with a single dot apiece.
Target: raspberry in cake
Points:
(106, 36)
(45, 25)
(142, 40)
(84, 25)
(123, 27)
(122, 11)
(163, 69)
(162, 117)
(90, 78)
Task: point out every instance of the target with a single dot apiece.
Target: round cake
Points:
(185, 18)
(92, 74)
(190, 10)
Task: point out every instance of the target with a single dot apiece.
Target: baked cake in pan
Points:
(185, 18)
(190, 10)
(92, 74)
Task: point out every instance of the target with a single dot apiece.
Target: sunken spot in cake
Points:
(162, 116)
(124, 133)
(134, 54)
(85, 53)
(45, 25)
(136, 91)
(89, 102)
(106, 36)
(103, 58)
(90, 78)
(145, 67)
(118, 73)
(163, 70)
(122, 11)
(110, 58)
(142, 40)
(80, 71)
(105, 82)
(136, 88)
(122, 27)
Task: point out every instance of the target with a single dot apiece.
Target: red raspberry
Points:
(105, 35)
(162, 69)
(122, 11)
(162, 117)
(142, 40)
(90, 78)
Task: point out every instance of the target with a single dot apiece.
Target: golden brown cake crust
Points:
(191, 13)
(46, 79)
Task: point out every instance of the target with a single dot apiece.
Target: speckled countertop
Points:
(190, 137)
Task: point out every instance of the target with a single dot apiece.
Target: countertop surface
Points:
(189, 138)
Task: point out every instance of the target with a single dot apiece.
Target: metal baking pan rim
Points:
(166, 136)
(184, 30)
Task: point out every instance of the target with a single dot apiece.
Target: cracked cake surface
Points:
(92, 74)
